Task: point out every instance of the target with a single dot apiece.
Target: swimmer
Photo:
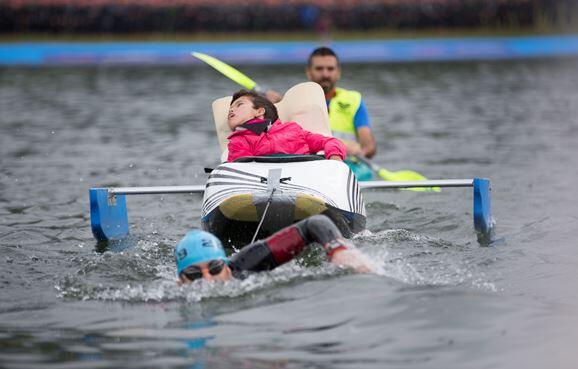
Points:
(201, 255)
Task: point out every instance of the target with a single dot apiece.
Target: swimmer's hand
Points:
(354, 259)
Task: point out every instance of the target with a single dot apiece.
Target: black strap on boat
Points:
(282, 180)
(278, 158)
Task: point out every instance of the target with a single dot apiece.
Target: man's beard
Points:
(328, 87)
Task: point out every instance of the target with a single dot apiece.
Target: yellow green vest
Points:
(342, 109)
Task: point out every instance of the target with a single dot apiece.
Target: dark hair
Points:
(321, 51)
(259, 101)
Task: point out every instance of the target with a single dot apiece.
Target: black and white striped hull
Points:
(236, 196)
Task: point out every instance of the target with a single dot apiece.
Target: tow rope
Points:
(273, 181)
(264, 214)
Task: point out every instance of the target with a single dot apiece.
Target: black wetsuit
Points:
(286, 244)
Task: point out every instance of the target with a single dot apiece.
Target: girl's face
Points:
(241, 110)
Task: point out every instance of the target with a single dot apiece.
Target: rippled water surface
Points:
(441, 300)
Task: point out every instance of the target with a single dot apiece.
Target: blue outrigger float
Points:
(256, 196)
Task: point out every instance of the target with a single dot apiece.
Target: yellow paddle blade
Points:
(227, 70)
(406, 175)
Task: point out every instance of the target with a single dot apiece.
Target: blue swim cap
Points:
(198, 247)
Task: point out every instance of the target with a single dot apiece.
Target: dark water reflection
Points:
(440, 301)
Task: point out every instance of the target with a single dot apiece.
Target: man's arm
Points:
(367, 142)
(321, 229)
(364, 133)
(288, 243)
(268, 254)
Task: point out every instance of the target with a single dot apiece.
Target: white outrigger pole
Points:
(109, 216)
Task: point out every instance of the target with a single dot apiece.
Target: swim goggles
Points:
(194, 272)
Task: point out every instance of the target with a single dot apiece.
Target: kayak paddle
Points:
(229, 72)
(399, 176)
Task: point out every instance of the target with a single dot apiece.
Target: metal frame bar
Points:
(155, 190)
(109, 216)
(413, 184)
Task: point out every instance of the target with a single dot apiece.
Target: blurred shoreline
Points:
(196, 20)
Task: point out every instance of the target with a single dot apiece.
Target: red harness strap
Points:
(286, 244)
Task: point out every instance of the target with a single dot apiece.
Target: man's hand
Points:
(273, 96)
(335, 157)
(352, 258)
(353, 148)
(367, 142)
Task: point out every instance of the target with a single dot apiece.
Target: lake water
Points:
(442, 300)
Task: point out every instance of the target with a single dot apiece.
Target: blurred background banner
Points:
(38, 53)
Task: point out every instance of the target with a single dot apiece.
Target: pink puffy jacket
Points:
(282, 138)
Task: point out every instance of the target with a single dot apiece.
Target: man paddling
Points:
(347, 111)
(348, 114)
(201, 255)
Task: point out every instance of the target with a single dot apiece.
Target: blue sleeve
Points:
(361, 118)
